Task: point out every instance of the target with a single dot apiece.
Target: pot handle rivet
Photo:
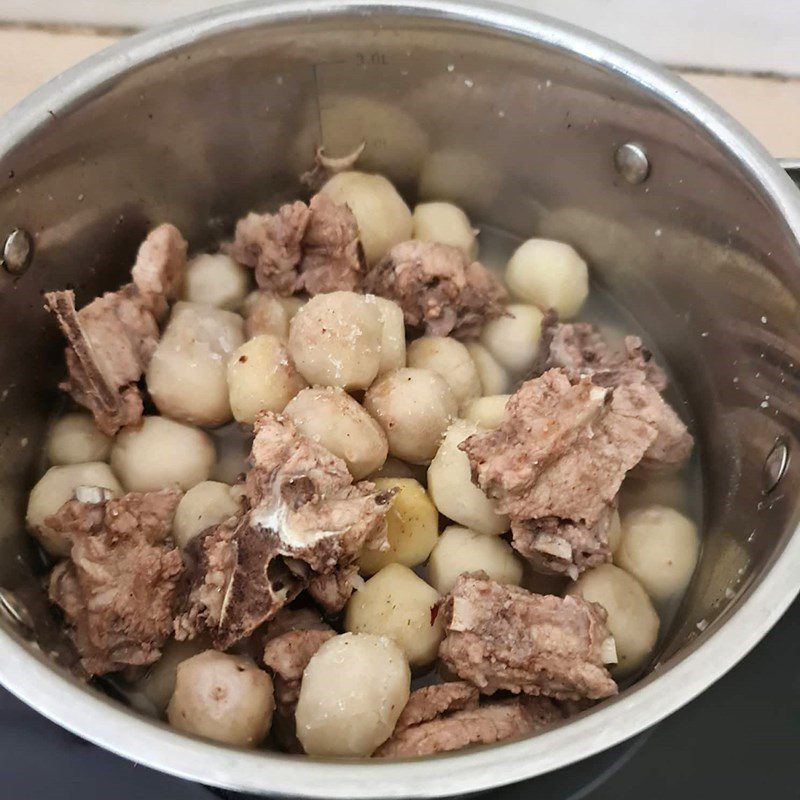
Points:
(775, 466)
(17, 251)
(632, 163)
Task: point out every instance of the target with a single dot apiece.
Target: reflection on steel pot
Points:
(521, 120)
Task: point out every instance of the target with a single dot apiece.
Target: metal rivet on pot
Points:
(775, 466)
(17, 251)
(631, 162)
(13, 610)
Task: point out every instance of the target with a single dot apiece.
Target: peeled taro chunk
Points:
(440, 290)
(119, 588)
(503, 638)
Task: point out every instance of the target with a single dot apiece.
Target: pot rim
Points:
(93, 716)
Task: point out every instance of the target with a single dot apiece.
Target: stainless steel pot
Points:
(523, 120)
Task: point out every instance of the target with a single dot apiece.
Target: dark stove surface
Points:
(740, 739)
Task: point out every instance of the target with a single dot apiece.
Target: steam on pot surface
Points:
(363, 481)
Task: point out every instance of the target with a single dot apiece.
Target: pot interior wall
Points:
(522, 136)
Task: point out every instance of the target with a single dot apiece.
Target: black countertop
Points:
(740, 739)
